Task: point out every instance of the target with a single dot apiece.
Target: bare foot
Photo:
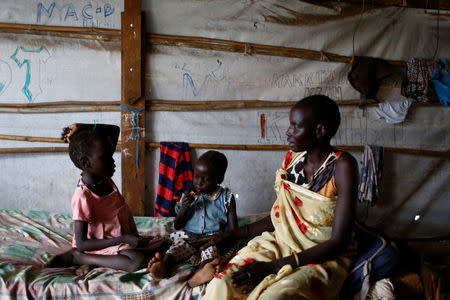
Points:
(83, 270)
(205, 274)
(157, 267)
(62, 260)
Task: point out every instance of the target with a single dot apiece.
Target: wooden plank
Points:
(98, 34)
(30, 138)
(250, 48)
(428, 4)
(152, 145)
(37, 150)
(75, 108)
(133, 109)
(33, 150)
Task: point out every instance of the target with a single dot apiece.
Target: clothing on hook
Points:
(366, 75)
(175, 176)
(393, 112)
(415, 82)
(440, 78)
(371, 171)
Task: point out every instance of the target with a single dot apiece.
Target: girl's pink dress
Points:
(107, 216)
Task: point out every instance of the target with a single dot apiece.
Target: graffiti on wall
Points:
(29, 64)
(32, 60)
(86, 15)
(211, 79)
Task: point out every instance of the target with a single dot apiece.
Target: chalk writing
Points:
(90, 15)
(5, 76)
(24, 56)
(355, 129)
(334, 92)
(322, 77)
(213, 78)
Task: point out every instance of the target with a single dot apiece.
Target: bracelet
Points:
(296, 259)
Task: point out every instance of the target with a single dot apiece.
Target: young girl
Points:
(208, 209)
(105, 232)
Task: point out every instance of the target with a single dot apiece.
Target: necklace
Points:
(80, 183)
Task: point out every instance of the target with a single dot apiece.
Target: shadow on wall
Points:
(408, 204)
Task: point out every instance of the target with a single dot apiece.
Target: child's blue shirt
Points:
(208, 214)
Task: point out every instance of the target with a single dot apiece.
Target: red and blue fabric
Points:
(175, 176)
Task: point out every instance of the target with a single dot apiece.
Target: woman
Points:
(299, 250)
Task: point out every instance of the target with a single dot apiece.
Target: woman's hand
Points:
(252, 274)
(209, 240)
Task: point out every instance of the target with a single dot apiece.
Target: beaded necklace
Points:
(81, 184)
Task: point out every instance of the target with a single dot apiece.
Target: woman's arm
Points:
(85, 244)
(246, 231)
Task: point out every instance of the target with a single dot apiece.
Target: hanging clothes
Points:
(415, 81)
(440, 77)
(366, 76)
(175, 176)
(393, 112)
(371, 171)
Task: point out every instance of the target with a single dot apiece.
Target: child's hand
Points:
(142, 242)
(68, 131)
(155, 242)
(188, 199)
(135, 240)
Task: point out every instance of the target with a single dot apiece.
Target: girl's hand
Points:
(155, 242)
(68, 131)
(252, 274)
(135, 240)
(142, 242)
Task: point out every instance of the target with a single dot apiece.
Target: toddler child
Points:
(105, 232)
(208, 209)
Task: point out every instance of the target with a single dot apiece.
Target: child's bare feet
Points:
(62, 260)
(205, 274)
(83, 270)
(157, 267)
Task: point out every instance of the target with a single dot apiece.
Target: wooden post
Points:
(133, 109)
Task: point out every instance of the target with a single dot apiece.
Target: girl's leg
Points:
(62, 260)
(126, 260)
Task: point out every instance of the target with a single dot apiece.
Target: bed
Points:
(30, 238)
